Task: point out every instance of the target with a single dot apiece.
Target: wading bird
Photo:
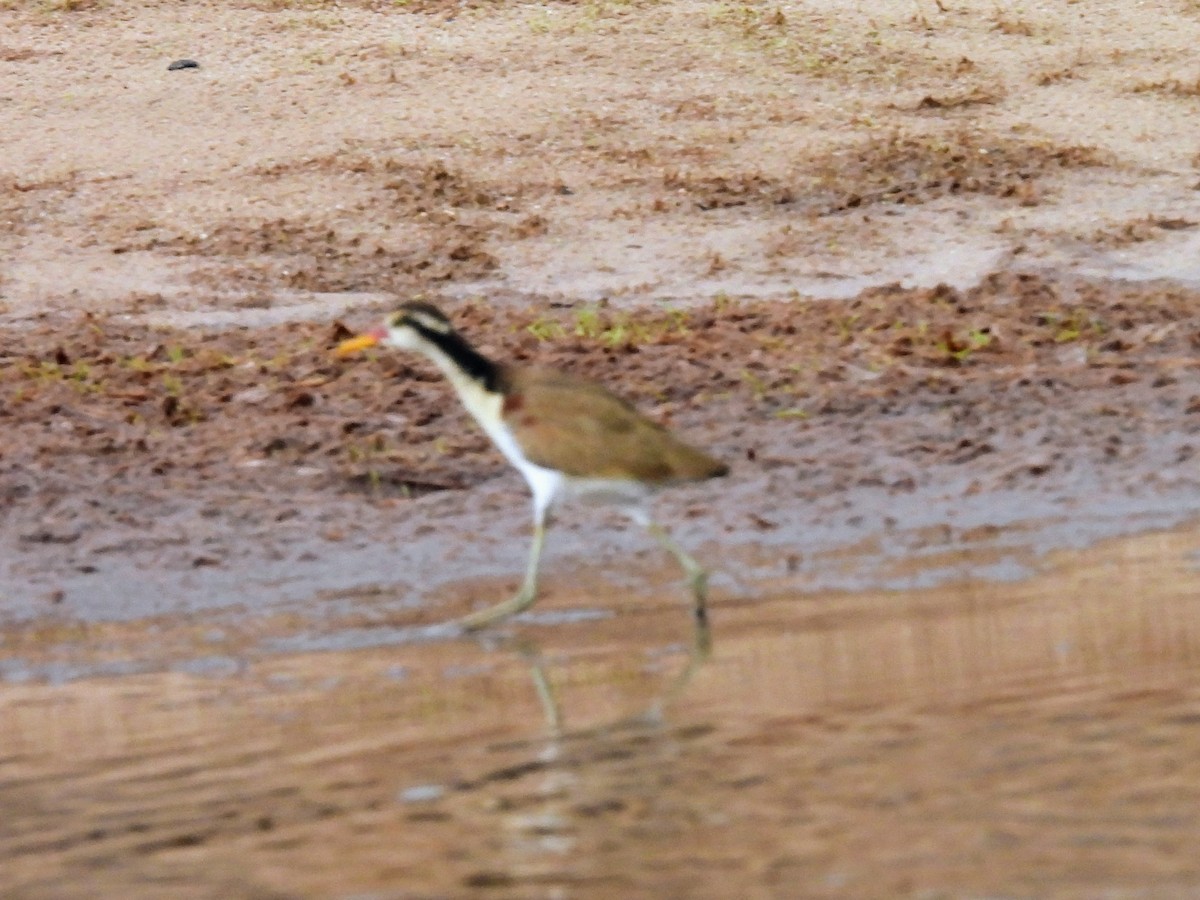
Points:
(570, 438)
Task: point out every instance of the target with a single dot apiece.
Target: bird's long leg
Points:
(523, 598)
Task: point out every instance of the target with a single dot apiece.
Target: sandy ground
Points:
(925, 273)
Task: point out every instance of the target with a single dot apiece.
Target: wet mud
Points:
(244, 469)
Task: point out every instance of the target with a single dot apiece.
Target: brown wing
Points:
(580, 428)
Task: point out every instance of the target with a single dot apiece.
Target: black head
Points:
(420, 326)
(424, 318)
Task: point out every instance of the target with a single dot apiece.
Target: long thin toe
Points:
(484, 617)
(493, 614)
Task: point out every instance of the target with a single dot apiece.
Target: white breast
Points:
(487, 408)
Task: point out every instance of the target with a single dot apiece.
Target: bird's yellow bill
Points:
(356, 344)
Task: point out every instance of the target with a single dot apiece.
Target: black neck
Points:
(473, 364)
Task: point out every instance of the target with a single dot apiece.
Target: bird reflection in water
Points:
(699, 651)
(548, 808)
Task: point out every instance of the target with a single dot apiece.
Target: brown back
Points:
(580, 428)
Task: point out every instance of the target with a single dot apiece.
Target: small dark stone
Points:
(183, 64)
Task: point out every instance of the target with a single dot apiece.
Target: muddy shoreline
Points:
(246, 473)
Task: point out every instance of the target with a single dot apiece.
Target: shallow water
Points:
(1021, 738)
